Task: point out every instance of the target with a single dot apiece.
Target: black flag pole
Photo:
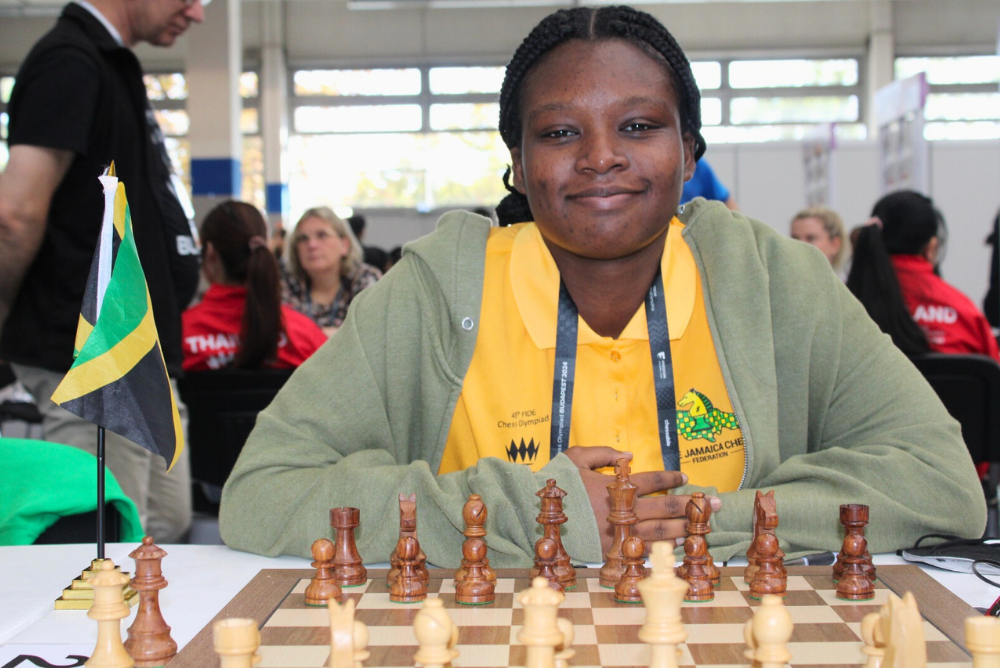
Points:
(100, 492)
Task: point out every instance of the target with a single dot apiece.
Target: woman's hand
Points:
(660, 517)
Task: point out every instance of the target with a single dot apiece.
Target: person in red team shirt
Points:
(241, 322)
(893, 274)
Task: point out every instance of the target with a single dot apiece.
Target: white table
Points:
(203, 578)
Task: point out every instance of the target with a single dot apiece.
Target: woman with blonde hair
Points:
(326, 268)
(822, 227)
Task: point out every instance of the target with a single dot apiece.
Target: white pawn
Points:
(437, 635)
(108, 610)
(873, 632)
(348, 636)
(236, 641)
(540, 633)
(768, 633)
(564, 650)
(662, 594)
(982, 638)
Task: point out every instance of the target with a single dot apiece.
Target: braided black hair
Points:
(591, 24)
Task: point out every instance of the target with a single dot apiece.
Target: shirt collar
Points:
(534, 279)
(104, 21)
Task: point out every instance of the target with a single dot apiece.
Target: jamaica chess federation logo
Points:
(523, 453)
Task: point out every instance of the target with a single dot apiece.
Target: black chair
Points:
(222, 410)
(82, 528)
(969, 387)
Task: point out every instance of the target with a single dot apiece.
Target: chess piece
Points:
(550, 517)
(758, 512)
(475, 588)
(236, 641)
(905, 646)
(437, 635)
(982, 638)
(564, 650)
(545, 562)
(627, 589)
(407, 528)
(662, 594)
(409, 586)
(873, 633)
(699, 511)
(348, 637)
(540, 633)
(622, 517)
(323, 586)
(474, 513)
(348, 570)
(768, 578)
(108, 610)
(854, 518)
(768, 634)
(854, 584)
(149, 642)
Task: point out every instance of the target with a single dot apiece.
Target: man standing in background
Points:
(79, 103)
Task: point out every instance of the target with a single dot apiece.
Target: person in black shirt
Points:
(78, 104)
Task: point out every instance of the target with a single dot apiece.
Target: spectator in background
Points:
(241, 322)
(706, 184)
(326, 270)
(893, 273)
(991, 304)
(394, 256)
(371, 255)
(823, 228)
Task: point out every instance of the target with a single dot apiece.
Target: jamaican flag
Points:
(119, 379)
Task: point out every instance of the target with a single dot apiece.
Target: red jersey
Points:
(950, 320)
(211, 332)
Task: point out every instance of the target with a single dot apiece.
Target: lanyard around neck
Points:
(663, 372)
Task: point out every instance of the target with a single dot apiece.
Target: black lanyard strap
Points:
(663, 372)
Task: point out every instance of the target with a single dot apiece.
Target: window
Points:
(793, 73)
(415, 138)
(962, 101)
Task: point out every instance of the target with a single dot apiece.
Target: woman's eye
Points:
(559, 134)
(637, 127)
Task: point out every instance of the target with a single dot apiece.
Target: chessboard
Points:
(827, 630)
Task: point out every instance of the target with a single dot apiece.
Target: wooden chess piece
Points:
(697, 568)
(540, 633)
(149, 642)
(323, 586)
(550, 517)
(854, 518)
(699, 512)
(409, 586)
(436, 634)
(873, 633)
(662, 594)
(768, 633)
(236, 642)
(622, 517)
(758, 512)
(905, 646)
(627, 589)
(564, 650)
(348, 637)
(982, 639)
(545, 562)
(407, 528)
(475, 588)
(348, 570)
(768, 578)
(854, 584)
(474, 513)
(108, 610)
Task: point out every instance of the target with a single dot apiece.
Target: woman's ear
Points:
(930, 251)
(211, 265)
(517, 169)
(689, 159)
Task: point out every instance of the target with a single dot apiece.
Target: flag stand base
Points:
(80, 595)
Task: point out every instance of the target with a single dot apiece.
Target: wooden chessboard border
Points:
(268, 589)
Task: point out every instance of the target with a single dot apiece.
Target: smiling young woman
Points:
(601, 322)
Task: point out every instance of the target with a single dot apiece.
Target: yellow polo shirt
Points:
(505, 406)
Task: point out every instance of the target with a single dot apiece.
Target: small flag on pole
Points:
(119, 379)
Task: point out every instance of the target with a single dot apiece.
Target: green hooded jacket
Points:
(831, 412)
